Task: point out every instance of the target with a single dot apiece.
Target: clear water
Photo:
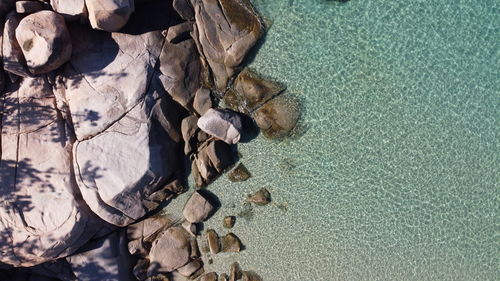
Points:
(397, 175)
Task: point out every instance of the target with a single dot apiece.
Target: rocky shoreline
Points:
(106, 107)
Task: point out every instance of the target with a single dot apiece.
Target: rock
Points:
(28, 7)
(250, 276)
(190, 268)
(100, 87)
(250, 91)
(71, 10)
(212, 160)
(188, 129)
(211, 276)
(261, 197)
(213, 241)
(140, 270)
(235, 272)
(176, 276)
(179, 32)
(229, 221)
(184, 9)
(222, 124)
(104, 259)
(44, 40)
(180, 64)
(137, 247)
(109, 15)
(230, 243)
(202, 101)
(240, 173)
(195, 252)
(197, 208)
(191, 228)
(147, 230)
(277, 117)
(170, 251)
(41, 218)
(13, 58)
(227, 30)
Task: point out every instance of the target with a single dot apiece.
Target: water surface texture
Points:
(395, 174)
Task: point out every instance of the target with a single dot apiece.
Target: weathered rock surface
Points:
(13, 58)
(41, 217)
(170, 251)
(109, 15)
(227, 30)
(28, 7)
(222, 124)
(190, 268)
(240, 173)
(197, 208)
(70, 9)
(278, 117)
(44, 40)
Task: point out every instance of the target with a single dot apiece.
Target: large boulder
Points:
(277, 118)
(70, 9)
(41, 217)
(44, 40)
(12, 54)
(227, 30)
(109, 15)
(222, 124)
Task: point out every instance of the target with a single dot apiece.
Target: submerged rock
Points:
(230, 243)
(222, 124)
(277, 117)
(229, 221)
(13, 58)
(44, 40)
(235, 272)
(261, 197)
(240, 173)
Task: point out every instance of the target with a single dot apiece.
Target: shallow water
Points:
(395, 174)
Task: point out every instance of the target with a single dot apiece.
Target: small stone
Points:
(250, 276)
(235, 272)
(213, 241)
(211, 276)
(231, 243)
(261, 197)
(229, 221)
(277, 117)
(28, 7)
(223, 277)
(222, 124)
(197, 208)
(240, 173)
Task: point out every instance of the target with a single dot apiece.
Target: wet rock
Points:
(28, 7)
(190, 268)
(202, 101)
(235, 272)
(261, 197)
(222, 124)
(109, 15)
(211, 276)
(109, 253)
(213, 241)
(277, 117)
(250, 276)
(197, 208)
(230, 243)
(71, 10)
(180, 66)
(13, 58)
(251, 91)
(184, 9)
(170, 251)
(229, 221)
(227, 30)
(238, 174)
(140, 270)
(44, 40)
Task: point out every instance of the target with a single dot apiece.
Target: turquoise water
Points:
(395, 176)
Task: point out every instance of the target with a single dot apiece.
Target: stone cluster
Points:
(101, 103)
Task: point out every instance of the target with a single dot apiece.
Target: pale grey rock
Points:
(222, 124)
(44, 40)
(104, 259)
(71, 10)
(41, 219)
(197, 208)
(109, 15)
(227, 30)
(28, 7)
(170, 251)
(100, 85)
